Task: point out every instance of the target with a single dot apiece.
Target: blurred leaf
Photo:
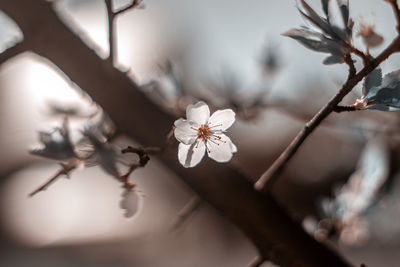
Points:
(315, 41)
(385, 96)
(103, 155)
(391, 79)
(386, 99)
(344, 9)
(334, 59)
(57, 144)
(325, 6)
(334, 37)
(310, 14)
(374, 79)
(363, 185)
(381, 95)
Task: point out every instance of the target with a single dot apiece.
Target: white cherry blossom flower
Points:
(201, 132)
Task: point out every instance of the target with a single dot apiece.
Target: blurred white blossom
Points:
(130, 202)
(201, 132)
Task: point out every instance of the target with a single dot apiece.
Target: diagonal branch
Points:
(269, 177)
(258, 216)
(65, 170)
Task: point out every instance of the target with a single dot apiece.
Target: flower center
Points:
(204, 132)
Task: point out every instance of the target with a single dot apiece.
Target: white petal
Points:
(130, 203)
(198, 113)
(190, 155)
(221, 150)
(185, 131)
(222, 119)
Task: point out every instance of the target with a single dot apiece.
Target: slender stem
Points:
(65, 170)
(339, 109)
(134, 4)
(268, 178)
(111, 32)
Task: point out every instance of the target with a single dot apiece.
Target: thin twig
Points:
(112, 38)
(143, 154)
(112, 42)
(365, 57)
(134, 4)
(65, 170)
(339, 109)
(184, 214)
(268, 178)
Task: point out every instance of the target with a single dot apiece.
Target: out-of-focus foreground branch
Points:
(266, 224)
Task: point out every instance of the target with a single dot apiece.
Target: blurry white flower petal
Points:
(190, 155)
(220, 148)
(198, 113)
(222, 119)
(185, 131)
(130, 203)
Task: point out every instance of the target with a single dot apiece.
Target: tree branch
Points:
(269, 177)
(12, 52)
(112, 40)
(65, 170)
(259, 216)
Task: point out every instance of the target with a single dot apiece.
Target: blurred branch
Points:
(269, 177)
(258, 215)
(112, 40)
(143, 154)
(12, 52)
(112, 37)
(65, 170)
(187, 211)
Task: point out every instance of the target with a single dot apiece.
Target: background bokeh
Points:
(78, 222)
